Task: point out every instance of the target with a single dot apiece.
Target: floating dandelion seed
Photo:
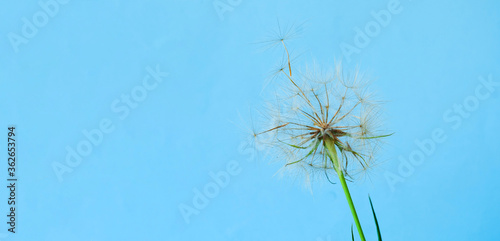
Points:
(327, 122)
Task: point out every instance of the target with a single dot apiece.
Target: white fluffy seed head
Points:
(313, 103)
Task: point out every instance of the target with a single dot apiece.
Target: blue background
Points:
(66, 77)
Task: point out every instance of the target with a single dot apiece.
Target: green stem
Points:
(332, 153)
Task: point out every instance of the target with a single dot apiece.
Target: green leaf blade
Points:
(376, 221)
(352, 233)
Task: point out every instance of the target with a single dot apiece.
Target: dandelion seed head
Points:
(317, 104)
